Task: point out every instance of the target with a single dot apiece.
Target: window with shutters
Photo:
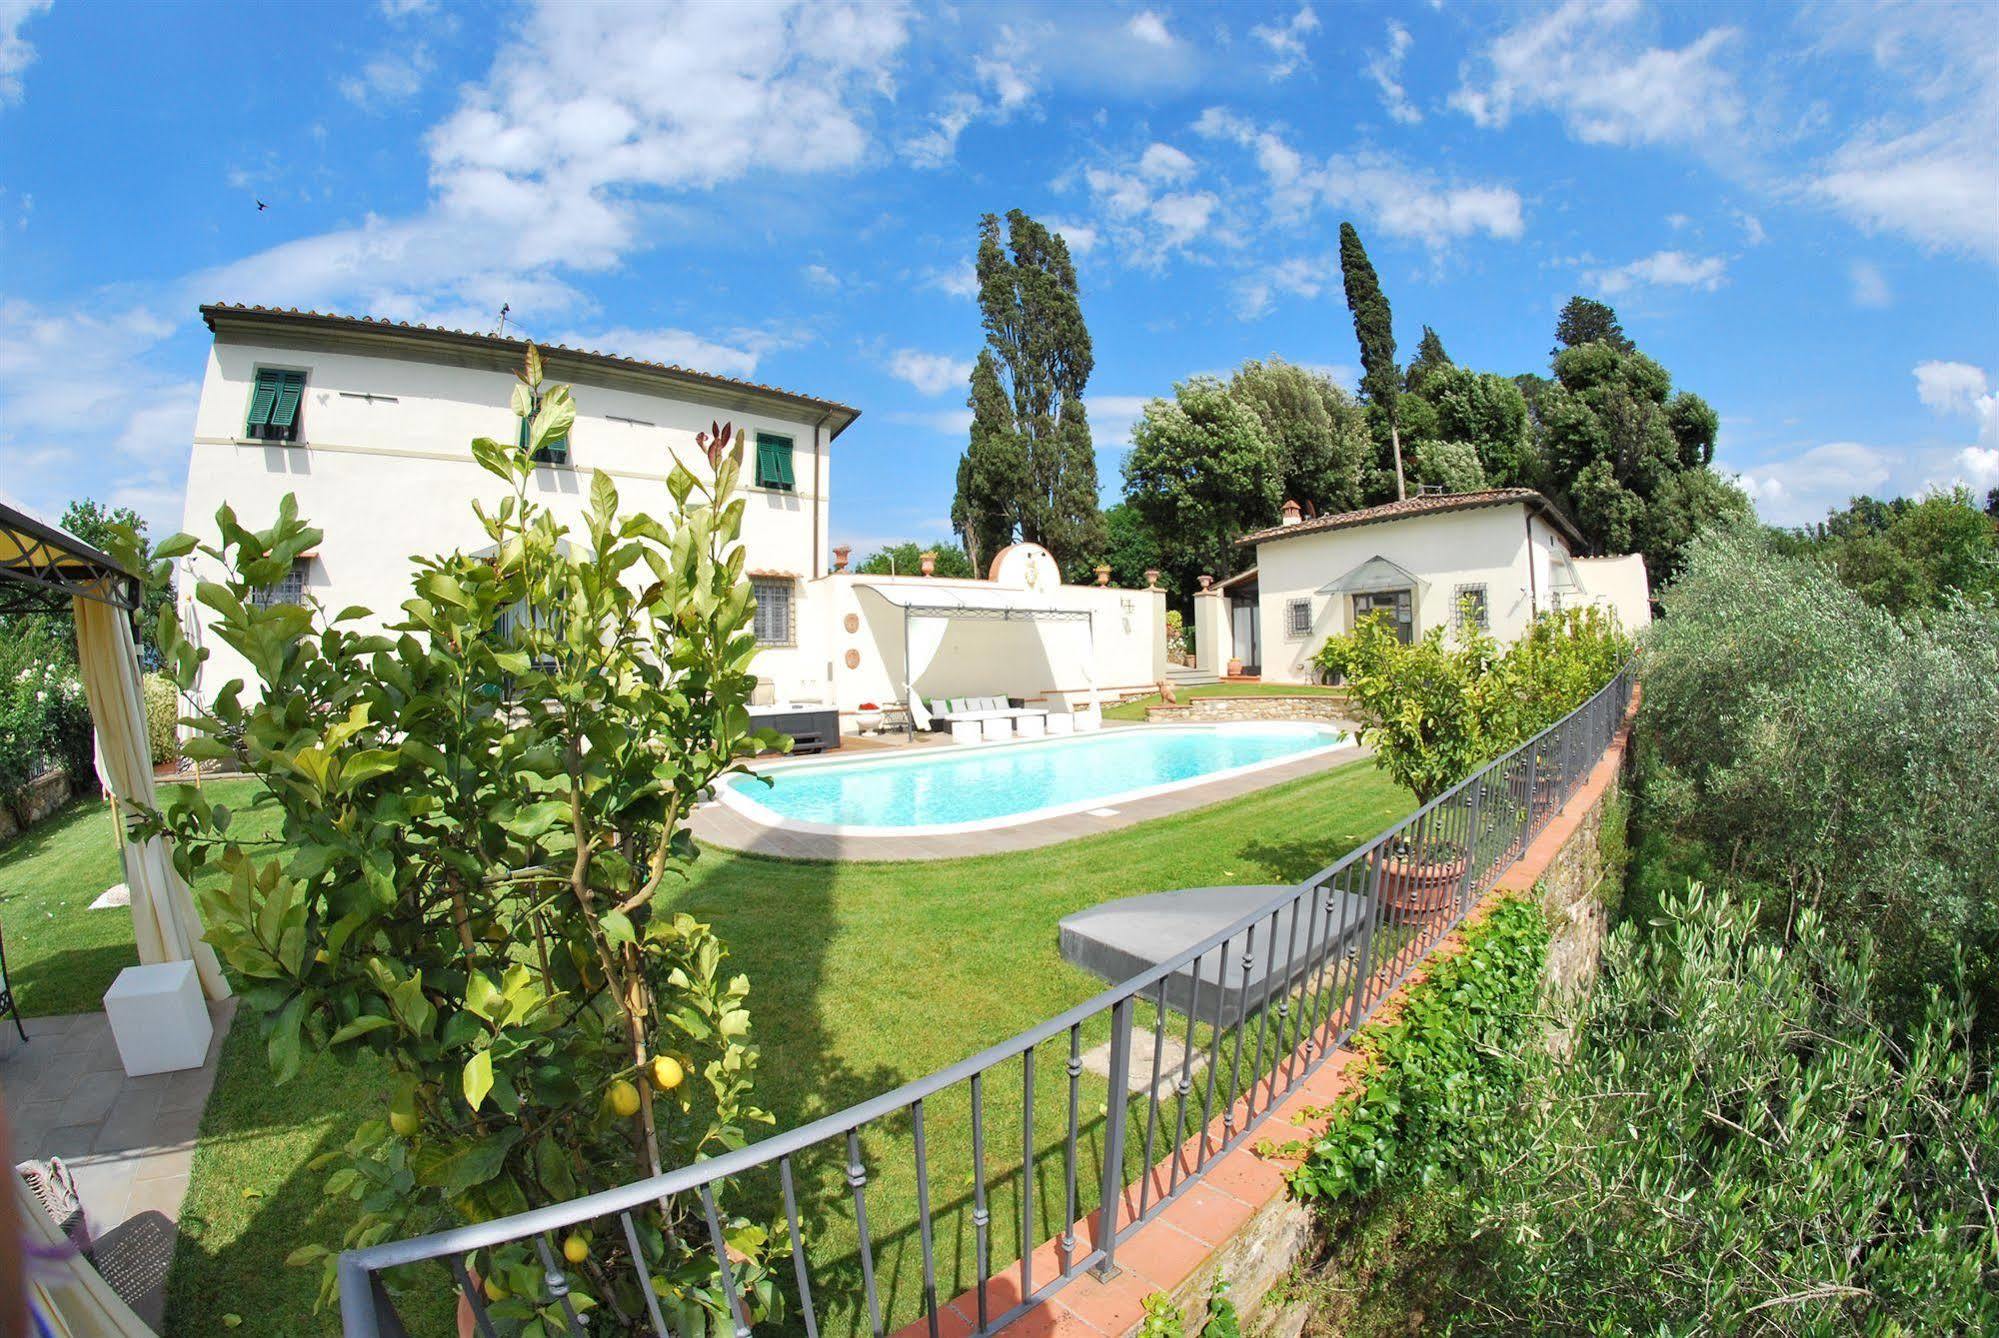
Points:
(774, 462)
(1298, 619)
(276, 401)
(556, 452)
(289, 590)
(773, 618)
(1469, 606)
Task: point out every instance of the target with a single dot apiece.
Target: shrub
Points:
(44, 715)
(1741, 1140)
(162, 717)
(1435, 712)
(481, 803)
(1452, 1058)
(1827, 749)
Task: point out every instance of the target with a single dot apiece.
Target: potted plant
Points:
(869, 717)
(1421, 883)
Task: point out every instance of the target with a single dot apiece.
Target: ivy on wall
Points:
(1454, 1055)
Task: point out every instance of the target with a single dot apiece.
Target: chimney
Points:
(1290, 513)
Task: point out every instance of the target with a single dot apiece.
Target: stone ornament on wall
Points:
(853, 659)
(852, 622)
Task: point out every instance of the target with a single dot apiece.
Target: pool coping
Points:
(718, 825)
(746, 805)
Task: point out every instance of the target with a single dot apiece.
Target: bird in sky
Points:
(261, 206)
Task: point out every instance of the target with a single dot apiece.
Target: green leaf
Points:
(617, 928)
(478, 1078)
(360, 1026)
(470, 1163)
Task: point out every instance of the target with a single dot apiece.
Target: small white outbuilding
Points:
(1500, 557)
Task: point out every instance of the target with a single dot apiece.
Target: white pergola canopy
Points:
(43, 569)
(927, 612)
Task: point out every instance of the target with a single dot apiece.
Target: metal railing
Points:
(1259, 1005)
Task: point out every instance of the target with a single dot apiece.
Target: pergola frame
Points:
(998, 615)
(42, 569)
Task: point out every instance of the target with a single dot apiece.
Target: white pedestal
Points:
(1088, 719)
(998, 731)
(158, 1018)
(966, 731)
(1031, 726)
(1061, 722)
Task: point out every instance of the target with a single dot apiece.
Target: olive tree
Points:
(482, 803)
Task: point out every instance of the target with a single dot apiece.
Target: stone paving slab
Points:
(722, 826)
(129, 1141)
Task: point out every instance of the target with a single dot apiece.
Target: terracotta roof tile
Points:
(334, 320)
(1428, 505)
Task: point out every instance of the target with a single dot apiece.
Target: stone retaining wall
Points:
(46, 793)
(1208, 710)
(1240, 1221)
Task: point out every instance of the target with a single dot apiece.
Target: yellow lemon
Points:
(575, 1249)
(667, 1073)
(624, 1098)
(402, 1116)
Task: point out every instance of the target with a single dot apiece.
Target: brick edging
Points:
(1181, 1250)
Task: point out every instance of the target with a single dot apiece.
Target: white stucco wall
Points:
(1488, 546)
(1620, 584)
(1019, 658)
(393, 476)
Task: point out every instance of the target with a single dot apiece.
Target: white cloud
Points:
(1111, 418)
(1164, 163)
(1003, 86)
(1287, 42)
(388, 78)
(1299, 276)
(1980, 466)
(16, 52)
(944, 422)
(1392, 195)
(820, 277)
(961, 280)
(1080, 238)
(1752, 229)
(1385, 68)
(1870, 286)
(1589, 64)
(590, 114)
(1150, 29)
(1958, 389)
(930, 373)
(1662, 269)
(1805, 486)
(1920, 162)
(399, 9)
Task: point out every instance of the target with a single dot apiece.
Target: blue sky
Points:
(1795, 209)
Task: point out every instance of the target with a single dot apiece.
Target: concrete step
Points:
(1187, 676)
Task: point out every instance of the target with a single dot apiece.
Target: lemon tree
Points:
(484, 793)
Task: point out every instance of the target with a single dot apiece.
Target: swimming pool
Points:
(962, 789)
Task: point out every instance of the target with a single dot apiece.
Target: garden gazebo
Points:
(46, 570)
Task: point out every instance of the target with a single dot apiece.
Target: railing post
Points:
(1113, 1187)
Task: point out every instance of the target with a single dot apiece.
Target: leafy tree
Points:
(906, 559)
(1030, 469)
(1488, 413)
(1450, 465)
(1203, 470)
(1992, 502)
(481, 805)
(1430, 359)
(1905, 555)
(1836, 754)
(1320, 432)
(121, 532)
(1374, 328)
(1587, 321)
(1740, 1140)
(1617, 444)
(1130, 549)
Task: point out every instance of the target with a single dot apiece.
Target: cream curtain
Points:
(164, 921)
(926, 638)
(1086, 660)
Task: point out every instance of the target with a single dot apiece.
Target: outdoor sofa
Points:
(972, 719)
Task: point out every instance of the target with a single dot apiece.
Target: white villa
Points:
(369, 422)
(1510, 552)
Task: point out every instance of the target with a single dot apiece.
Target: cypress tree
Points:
(1373, 326)
(1030, 468)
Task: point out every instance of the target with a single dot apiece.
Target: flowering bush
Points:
(44, 716)
(162, 717)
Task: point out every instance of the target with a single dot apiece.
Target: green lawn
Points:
(865, 976)
(1135, 708)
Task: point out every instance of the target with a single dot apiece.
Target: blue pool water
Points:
(975, 783)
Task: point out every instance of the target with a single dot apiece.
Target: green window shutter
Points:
(261, 400)
(525, 424)
(290, 389)
(773, 462)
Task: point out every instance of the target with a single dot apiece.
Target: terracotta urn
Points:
(1234, 669)
(1152, 578)
(1205, 581)
(1421, 889)
(929, 561)
(841, 553)
(1103, 574)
